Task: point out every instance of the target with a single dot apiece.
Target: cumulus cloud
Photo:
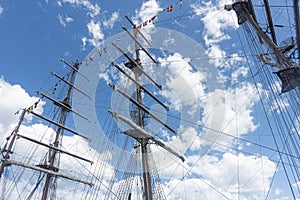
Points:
(226, 176)
(216, 22)
(182, 80)
(250, 179)
(96, 32)
(146, 12)
(13, 98)
(229, 112)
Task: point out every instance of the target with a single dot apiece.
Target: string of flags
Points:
(100, 52)
(168, 9)
(90, 59)
(52, 90)
(34, 105)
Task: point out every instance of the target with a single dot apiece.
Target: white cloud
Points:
(96, 32)
(93, 9)
(111, 21)
(14, 97)
(84, 41)
(148, 10)
(230, 112)
(215, 21)
(231, 175)
(145, 13)
(182, 80)
(64, 20)
(94, 27)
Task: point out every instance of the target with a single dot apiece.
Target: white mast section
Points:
(59, 125)
(55, 148)
(138, 132)
(144, 109)
(12, 162)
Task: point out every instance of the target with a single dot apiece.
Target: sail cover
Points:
(290, 78)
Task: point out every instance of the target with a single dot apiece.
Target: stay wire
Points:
(273, 134)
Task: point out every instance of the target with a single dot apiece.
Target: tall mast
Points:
(50, 179)
(245, 14)
(137, 130)
(270, 21)
(297, 25)
(9, 148)
(51, 166)
(141, 123)
(289, 72)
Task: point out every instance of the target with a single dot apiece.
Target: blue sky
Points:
(35, 35)
(34, 39)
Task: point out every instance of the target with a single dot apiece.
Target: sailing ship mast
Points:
(50, 180)
(51, 165)
(289, 72)
(138, 132)
(297, 25)
(10, 146)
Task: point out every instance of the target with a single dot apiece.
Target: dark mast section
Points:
(50, 166)
(53, 163)
(289, 72)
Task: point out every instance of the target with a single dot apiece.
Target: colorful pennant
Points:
(170, 8)
(151, 20)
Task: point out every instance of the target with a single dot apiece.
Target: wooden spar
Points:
(139, 44)
(143, 108)
(254, 16)
(134, 26)
(69, 65)
(52, 147)
(136, 65)
(297, 25)
(59, 125)
(270, 21)
(138, 133)
(141, 86)
(76, 88)
(62, 105)
(281, 58)
(12, 162)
